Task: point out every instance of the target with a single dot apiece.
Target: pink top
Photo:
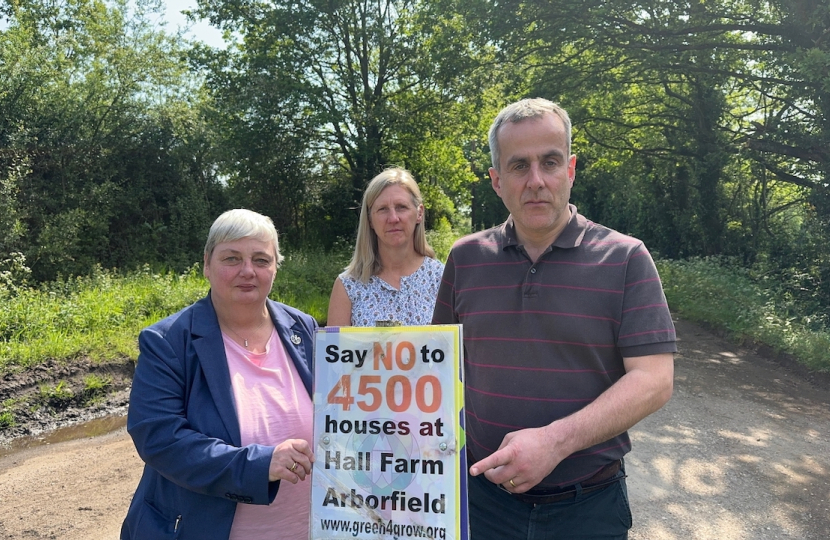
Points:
(272, 405)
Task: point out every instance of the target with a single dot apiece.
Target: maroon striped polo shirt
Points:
(543, 340)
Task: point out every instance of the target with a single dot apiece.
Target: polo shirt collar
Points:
(570, 237)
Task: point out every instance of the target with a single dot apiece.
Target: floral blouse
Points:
(379, 301)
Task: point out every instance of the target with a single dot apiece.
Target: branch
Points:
(818, 155)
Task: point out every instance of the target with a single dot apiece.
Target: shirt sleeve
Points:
(646, 325)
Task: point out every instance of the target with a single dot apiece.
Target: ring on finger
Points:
(293, 467)
(511, 483)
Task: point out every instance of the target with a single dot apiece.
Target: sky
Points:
(202, 31)
(174, 19)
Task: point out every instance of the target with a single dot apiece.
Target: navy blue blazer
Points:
(184, 425)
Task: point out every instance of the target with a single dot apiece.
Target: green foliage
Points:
(101, 160)
(14, 274)
(729, 297)
(362, 86)
(58, 396)
(305, 279)
(694, 131)
(442, 237)
(96, 384)
(99, 316)
(12, 229)
(95, 387)
(7, 417)
(96, 316)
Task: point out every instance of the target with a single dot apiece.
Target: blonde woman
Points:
(393, 275)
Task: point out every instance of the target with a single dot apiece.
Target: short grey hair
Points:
(240, 223)
(522, 110)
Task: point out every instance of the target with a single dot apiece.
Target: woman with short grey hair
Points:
(220, 407)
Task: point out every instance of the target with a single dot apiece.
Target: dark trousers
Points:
(495, 514)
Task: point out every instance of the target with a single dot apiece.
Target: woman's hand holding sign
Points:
(291, 461)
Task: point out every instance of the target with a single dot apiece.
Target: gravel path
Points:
(741, 452)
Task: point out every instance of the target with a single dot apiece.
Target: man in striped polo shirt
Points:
(568, 343)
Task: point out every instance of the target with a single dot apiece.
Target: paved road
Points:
(741, 452)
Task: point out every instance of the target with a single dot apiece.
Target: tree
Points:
(92, 96)
(348, 88)
(699, 76)
(718, 110)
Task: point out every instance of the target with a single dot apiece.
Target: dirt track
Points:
(741, 452)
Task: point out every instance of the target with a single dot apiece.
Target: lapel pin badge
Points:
(295, 339)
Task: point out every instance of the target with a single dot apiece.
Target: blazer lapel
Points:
(210, 350)
(295, 339)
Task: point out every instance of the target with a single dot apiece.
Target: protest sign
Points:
(388, 434)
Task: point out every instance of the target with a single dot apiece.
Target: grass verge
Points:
(96, 317)
(728, 298)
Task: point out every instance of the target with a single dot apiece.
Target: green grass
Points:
(727, 297)
(99, 317)
(57, 396)
(8, 408)
(95, 387)
(7, 419)
(94, 384)
(305, 279)
(442, 237)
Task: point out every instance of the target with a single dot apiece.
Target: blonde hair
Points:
(240, 223)
(522, 110)
(365, 261)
